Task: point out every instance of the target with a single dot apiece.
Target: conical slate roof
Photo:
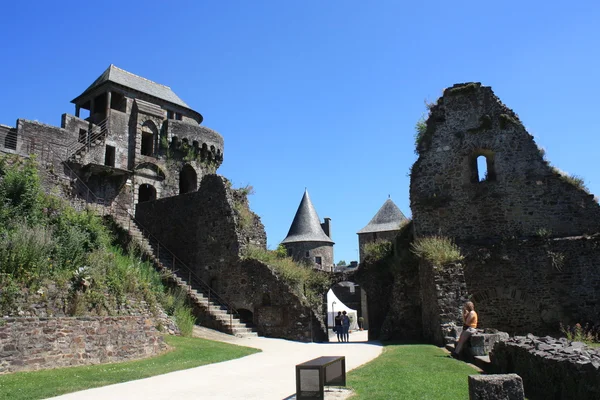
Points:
(388, 218)
(306, 226)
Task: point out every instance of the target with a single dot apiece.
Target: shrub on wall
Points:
(438, 250)
(378, 250)
(308, 283)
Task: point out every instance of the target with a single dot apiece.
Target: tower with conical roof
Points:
(385, 225)
(308, 239)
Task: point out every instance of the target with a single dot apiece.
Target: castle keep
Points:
(138, 142)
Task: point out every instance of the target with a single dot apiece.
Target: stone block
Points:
(496, 387)
(482, 343)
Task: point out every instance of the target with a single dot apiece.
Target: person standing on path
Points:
(337, 327)
(345, 327)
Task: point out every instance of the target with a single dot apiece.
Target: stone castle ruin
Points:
(527, 232)
(141, 156)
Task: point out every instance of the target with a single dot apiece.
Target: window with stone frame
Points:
(319, 260)
(149, 136)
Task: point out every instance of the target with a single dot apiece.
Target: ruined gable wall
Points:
(524, 196)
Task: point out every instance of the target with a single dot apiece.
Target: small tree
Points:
(341, 263)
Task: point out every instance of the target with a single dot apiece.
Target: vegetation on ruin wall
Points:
(240, 206)
(578, 333)
(377, 250)
(186, 353)
(438, 250)
(384, 259)
(308, 283)
(49, 249)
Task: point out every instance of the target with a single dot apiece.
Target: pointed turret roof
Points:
(306, 226)
(388, 218)
(135, 82)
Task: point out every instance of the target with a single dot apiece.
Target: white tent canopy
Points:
(334, 305)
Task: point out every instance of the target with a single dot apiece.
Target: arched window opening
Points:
(188, 180)
(149, 135)
(482, 174)
(146, 193)
(482, 167)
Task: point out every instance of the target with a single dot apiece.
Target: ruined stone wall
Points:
(522, 286)
(443, 294)
(203, 228)
(38, 343)
(550, 368)
(521, 194)
(276, 310)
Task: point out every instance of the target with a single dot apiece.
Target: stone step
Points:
(246, 334)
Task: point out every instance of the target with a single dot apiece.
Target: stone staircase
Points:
(96, 137)
(224, 320)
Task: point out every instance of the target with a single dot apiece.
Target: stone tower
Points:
(385, 225)
(308, 239)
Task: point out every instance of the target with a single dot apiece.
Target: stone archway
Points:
(350, 295)
(146, 192)
(246, 316)
(188, 179)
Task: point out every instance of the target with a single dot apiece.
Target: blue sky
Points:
(318, 94)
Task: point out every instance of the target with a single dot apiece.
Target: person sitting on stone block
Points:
(469, 326)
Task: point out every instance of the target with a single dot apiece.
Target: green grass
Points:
(187, 353)
(411, 371)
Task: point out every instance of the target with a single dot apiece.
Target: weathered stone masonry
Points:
(519, 281)
(209, 230)
(39, 343)
(550, 368)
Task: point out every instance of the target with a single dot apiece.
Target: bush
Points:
(185, 321)
(377, 250)
(25, 252)
(20, 190)
(438, 250)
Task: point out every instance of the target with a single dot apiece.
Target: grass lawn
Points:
(187, 353)
(411, 371)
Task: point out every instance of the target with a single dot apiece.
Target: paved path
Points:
(261, 376)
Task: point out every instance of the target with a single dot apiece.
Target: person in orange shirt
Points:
(469, 326)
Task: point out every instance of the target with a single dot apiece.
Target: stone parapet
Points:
(28, 344)
(551, 368)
